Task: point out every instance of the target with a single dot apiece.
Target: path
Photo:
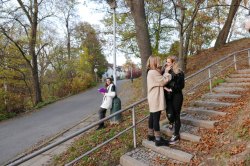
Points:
(23, 132)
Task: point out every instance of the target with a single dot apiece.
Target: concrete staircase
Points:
(192, 119)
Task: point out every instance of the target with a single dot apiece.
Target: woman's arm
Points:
(161, 79)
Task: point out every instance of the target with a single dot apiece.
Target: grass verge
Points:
(110, 153)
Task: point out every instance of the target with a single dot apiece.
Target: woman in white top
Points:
(107, 101)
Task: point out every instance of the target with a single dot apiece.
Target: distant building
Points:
(120, 73)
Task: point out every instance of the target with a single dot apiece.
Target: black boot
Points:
(161, 142)
(101, 126)
(151, 138)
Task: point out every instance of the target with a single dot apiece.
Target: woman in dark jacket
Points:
(174, 97)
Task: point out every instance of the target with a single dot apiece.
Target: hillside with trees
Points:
(39, 64)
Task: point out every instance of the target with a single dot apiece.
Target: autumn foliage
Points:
(136, 73)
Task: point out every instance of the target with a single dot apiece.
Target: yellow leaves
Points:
(227, 142)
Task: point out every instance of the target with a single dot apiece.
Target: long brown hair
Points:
(154, 63)
(111, 82)
(175, 62)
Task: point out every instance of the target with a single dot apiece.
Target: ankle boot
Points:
(151, 136)
(161, 142)
(101, 126)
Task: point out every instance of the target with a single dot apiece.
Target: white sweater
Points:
(108, 97)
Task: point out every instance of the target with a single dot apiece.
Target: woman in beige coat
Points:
(156, 99)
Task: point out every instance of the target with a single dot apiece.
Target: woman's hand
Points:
(103, 93)
(168, 68)
(169, 90)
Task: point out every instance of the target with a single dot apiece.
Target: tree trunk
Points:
(68, 38)
(181, 63)
(142, 36)
(32, 51)
(185, 52)
(222, 37)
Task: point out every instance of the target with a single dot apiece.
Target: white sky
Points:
(88, 15)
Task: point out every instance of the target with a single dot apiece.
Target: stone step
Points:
(234, 84)
(239, 75)
(221, 89)
(202, 111)
(166, 151)
(245, 71)
(183, 135)
(198, 123)
(212, 103)
(230, 80)
(220, 95)
(126, 160)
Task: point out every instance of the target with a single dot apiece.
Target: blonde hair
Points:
(175, 62)
(154, 63)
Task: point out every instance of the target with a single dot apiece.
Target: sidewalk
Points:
(47, 157)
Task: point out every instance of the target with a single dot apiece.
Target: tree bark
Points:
(36, 84)
(32, 17)
(142, 36)
(185, 52)
(222, 37)
(68, 38)
(181, 63)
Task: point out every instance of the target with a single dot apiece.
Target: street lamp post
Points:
(112, 4)
(116, 105)
(114, 47)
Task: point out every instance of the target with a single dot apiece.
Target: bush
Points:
(136, 73)
(10, 104)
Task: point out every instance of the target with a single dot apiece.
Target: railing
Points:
(133, 114)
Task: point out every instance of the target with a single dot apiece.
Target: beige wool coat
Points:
(155, 82)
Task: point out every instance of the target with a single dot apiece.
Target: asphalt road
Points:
(21, 133)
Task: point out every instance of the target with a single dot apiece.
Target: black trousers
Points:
(153, 122)
(173, 110)
(102, 113)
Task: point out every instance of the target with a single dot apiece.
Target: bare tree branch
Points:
(41, 48)
(175, 12)
(24, 77)
(194, 15)
(24, 9)
(44, 18)
(19, 48)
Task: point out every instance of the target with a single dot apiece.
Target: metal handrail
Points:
(133, 114)
(216, 63)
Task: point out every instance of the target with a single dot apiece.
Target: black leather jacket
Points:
(177, 82)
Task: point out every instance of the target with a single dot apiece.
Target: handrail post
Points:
(249, 57)
(210, 79)
(134, 129)
(235, 65)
